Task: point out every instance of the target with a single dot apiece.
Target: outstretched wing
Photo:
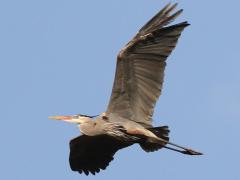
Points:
(92, 153)
(140, 67)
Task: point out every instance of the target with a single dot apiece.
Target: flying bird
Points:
(136, 88)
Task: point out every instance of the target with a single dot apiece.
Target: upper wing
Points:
(92, 153)
(140, 67)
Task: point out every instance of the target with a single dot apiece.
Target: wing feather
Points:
(89, 154)
(140, 67)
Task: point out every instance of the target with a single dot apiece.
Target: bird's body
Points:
(136, 89)
(119, 128)
(103, 137)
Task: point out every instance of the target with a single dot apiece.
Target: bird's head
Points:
(77, 119)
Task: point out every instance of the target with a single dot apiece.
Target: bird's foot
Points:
(191, 152)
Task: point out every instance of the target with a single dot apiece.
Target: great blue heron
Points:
(137, 86)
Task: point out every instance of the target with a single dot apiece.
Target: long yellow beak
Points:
(60, 117)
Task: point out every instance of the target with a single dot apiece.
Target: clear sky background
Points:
(58, 57)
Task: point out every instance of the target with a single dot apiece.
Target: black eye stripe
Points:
(84, 115)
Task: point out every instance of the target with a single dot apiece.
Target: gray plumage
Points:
(136, 89)
(140, 68)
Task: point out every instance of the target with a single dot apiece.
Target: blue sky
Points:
(58, 57)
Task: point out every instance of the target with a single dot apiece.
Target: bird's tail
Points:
(161, 132)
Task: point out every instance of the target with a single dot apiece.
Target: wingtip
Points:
(184, 23)
(174, 5)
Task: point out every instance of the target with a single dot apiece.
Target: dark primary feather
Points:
(140, 68)
(163, 17)
(89, 154)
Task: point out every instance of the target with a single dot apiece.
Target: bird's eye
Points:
(75, 116)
